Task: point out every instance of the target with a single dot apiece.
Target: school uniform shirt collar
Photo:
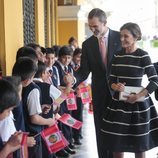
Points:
(37, 79)
(50, 68)
(62, 66)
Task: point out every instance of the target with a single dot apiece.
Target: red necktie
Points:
(103, 50)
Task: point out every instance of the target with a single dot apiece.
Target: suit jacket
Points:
(91, 62)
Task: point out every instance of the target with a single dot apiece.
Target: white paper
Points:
(128, 90)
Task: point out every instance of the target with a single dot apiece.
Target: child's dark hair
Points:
(41, 69)
(14, 80)
(77, 51)
(9, 96)
(33, 45)
(43, 50)
(65, 50)
(71, 39)
(56, 49)
(25, 68)
(26, 52)
(50, 50)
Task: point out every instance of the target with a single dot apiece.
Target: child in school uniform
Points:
(49, 93)
(31, 95)
(76, 59)
(10, 120)
(9, 98)
(64, 59)
(50, 60)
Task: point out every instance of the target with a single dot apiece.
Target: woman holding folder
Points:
(130, 123)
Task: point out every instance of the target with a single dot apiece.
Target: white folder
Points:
(128, 90)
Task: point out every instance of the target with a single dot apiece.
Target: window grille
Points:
(29, 21)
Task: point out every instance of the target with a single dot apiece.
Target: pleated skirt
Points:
(130, 127)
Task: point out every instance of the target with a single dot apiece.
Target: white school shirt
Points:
(7, 127)
(33, 102)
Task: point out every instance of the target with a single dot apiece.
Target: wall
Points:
(67, 28)
(70, 24)
(39, 22)
(11, 31)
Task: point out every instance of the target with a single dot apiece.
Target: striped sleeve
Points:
(151, 73)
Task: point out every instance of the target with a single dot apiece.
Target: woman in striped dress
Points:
(131, 126)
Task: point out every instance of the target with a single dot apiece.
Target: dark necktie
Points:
(76, 66)
(65, 69)
(51, 72)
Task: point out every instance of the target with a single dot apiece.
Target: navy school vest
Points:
(62, 73)
(33, 129)
(45, 97)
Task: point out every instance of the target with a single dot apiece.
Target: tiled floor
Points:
(88, 147)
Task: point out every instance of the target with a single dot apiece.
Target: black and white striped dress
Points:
(131, 127)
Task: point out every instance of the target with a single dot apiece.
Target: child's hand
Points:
(46, 108)
(61, 88)
(51, 121)
(31, 141)
(56, 108)
(14, 141)
(68, 89)
(78, 92)
(57, 116)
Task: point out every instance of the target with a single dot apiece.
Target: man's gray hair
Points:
(96, 12)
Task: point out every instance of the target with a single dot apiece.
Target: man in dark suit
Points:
(91, 61)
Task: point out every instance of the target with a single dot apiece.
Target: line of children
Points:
(69, 150)
(49, 93)
(36, 108)
(34, 122)
(60, 68)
